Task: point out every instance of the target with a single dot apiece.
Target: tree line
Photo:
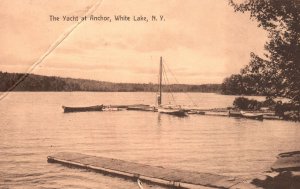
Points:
(277, 73)
(34, 82)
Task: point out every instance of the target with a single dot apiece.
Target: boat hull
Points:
(142, 107)
(235, 114)
(248, 115)
(82, 109)
(175, 112)
(256, 116)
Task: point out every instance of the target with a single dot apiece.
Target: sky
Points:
(201, 41)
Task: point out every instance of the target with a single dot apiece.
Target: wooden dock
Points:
(150, 108)
(288, 161)
(147, 173)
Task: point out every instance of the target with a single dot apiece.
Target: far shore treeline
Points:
(34, 82)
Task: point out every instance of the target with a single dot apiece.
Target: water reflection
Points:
(159, 120)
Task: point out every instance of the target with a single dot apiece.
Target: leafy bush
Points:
(246, 104)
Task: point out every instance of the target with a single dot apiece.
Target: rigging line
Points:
(157, 77)
(164, 70)
(180, 84)
(53, 46)
(166, 84)
(165, 81)
(170, 86)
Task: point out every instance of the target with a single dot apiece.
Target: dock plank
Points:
(146, 172)
(289, 161)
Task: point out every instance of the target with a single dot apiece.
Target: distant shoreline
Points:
(16, 91)
(39, 83)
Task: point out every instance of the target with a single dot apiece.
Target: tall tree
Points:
(280, 67)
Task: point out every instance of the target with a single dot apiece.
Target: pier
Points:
(150, 108)
(152, 174)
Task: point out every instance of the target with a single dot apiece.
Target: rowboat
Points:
(235, 113)
(196, 112)
(248, 115)
(217, 113)
(251, 115)
(142, 107)
(82, 109)
(172, 110)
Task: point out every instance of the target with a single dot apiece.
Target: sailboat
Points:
(167, 109)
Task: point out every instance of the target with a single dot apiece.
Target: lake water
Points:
(33, 126)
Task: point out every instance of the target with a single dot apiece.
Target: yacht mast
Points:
(160, 83)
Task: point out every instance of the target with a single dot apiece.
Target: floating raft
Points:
(147, 173)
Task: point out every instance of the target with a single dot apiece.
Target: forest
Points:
(32, 82)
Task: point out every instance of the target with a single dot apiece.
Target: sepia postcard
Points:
(150, 94)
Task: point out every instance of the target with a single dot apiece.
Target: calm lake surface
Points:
(33, 126)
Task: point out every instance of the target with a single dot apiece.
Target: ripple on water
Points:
(32, 126)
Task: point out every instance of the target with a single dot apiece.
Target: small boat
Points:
(199, 112)
(172, 110)
(217, 113)
(235, 114)
(82, 109)
(272, 117)
(252, 115)
(248, 115)
(141, 107)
